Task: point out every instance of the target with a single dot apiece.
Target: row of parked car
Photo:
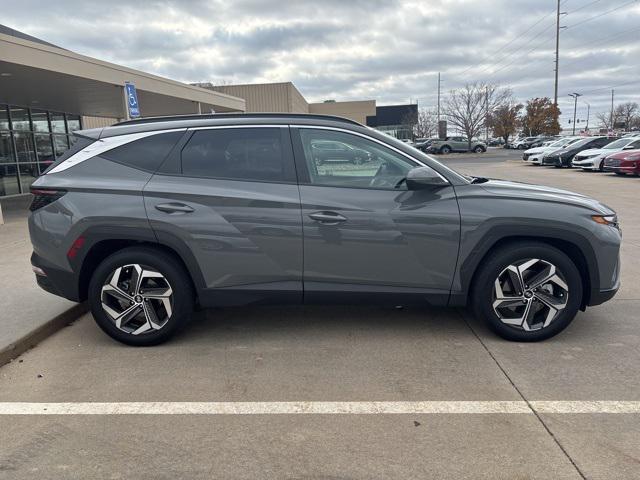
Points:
(604, 153)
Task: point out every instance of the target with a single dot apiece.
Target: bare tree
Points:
(626, 113)
(607, 120)
(467, 107)
(427, 123)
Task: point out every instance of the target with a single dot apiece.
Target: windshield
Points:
(579, 143)
(619, 143)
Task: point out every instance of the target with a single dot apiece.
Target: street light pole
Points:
(575, 107)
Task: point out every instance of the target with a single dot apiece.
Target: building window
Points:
(30, 141)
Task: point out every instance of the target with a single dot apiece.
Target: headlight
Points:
(610, 220)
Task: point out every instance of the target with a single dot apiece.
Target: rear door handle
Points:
(327, 218)
(174, 208)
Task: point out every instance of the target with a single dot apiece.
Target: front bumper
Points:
(555, 161)
(586, 163)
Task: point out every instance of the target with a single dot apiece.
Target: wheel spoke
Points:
(116, 292)
(528, 316)
(127, 315)
(516, 279)
(543, 277)
(551, 301)
(151, 316)
(507, 302)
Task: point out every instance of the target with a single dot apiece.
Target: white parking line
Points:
(314, 408)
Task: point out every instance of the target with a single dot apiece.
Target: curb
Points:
(31, 339)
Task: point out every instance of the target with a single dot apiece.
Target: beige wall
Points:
(97, 122)
(357, 110)
(267, 97)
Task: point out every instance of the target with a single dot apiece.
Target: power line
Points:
(582, 7)
(613, 86)
(602, 14)
(514, 39)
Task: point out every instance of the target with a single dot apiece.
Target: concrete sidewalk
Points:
(27, 313)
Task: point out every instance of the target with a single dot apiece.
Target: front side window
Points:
(255, 154)
(360, 163)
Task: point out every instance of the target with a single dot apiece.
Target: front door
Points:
(364, 232)
(232, 204)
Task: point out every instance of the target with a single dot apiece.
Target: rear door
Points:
(227, 199)
(365, 233)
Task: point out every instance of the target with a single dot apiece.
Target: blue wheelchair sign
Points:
(132, 100)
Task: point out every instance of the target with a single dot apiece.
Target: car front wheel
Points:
(446, 149)
(527, 291)
(478, 149)
(141, 296)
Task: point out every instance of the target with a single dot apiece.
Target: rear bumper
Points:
(58, 282)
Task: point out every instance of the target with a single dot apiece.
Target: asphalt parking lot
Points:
(479, 418)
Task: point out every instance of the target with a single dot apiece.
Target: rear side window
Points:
(146, 153)
(256, 154)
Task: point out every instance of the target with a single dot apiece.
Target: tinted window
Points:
(237, 153)
(146, 153)
(601, 142)
(362, 163)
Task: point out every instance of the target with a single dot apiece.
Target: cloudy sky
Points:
(356, 49)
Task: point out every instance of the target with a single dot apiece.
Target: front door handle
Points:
(327, 218)
(174, 208)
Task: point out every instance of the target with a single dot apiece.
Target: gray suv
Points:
(152, 218)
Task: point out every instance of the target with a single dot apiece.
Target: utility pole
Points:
(588, 111)
(486, 113)
(555, 88)
(438, 97)
(611, 115)
(575, 106)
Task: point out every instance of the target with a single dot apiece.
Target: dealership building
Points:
(47, 92)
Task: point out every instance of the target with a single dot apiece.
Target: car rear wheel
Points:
(527, 291)
(478, 149)
(141, 296)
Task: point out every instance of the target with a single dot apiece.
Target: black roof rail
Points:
(213, 116)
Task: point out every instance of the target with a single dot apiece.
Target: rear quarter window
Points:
(78, 142)
(147, 153)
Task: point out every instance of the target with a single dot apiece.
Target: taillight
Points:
(43, 197)
(75, 247)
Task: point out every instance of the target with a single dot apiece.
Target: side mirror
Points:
(629, 147)
(421, 178)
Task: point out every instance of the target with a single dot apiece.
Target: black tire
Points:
(622, 174)
(182, 300)
(478, 149)
(446, 149)
(601, 166)
(482, 293)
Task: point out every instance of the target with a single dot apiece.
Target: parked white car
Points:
(534, 155)
(593, 159)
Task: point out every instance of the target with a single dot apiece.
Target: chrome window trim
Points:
(102, 145)
(218, 127)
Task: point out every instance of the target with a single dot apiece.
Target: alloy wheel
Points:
(530, 294)
(137, 298)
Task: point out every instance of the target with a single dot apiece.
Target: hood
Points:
(539, 150)
(517, 190)
(626, 155)
(595, 151)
